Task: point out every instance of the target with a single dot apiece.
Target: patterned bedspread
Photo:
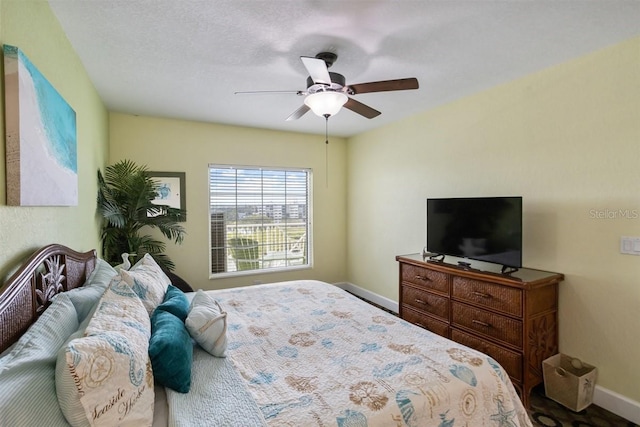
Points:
(313, 355)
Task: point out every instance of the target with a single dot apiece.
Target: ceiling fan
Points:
(327, 92)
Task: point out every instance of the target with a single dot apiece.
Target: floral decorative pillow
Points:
(110, 365)
(148, 281)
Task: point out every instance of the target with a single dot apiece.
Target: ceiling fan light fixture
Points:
(327, 103)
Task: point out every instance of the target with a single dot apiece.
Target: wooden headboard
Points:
(28, 292)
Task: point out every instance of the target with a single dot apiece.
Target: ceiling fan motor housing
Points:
(337, 83)
(328, 57)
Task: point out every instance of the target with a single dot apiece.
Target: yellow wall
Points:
(182, 146)
(32, 27)
(567, 139)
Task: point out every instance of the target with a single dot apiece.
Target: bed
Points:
(299, 353)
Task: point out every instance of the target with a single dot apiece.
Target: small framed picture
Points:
(171, 189)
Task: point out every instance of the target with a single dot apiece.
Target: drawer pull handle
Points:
(425, 278)
(481, 294)
(419, 301)
(481, 323)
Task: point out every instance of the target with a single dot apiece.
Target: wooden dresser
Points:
(513, 318)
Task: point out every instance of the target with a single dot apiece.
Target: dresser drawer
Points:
(486, 323)
(509, 360)
(486, 311)
(426, 301)
(428, 279)
(426, 322)
(497, 297)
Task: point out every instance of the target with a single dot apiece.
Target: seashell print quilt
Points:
(310, 354)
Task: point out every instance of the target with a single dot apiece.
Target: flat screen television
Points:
(479, 228)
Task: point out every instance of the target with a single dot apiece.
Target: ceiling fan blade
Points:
(385, 86)
(298, 113)
(254, 92)
(362, 109)
(317, 69)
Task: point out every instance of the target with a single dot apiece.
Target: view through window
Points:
(259, 219)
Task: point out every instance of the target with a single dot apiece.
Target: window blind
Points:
(259, 218)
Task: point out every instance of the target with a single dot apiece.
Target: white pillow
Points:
(147, 279)
(147, 260)
(207, 324)
(109, 367)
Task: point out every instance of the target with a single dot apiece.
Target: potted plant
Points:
(125, 195)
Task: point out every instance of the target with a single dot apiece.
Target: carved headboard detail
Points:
(28, 292)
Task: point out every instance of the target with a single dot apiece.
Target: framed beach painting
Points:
(41, 146)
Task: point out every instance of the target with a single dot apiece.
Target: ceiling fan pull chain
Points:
(326, 149)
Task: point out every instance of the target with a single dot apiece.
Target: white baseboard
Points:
(617, 404)
(604, 398)
(385, 302)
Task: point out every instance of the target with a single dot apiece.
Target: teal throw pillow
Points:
(175, 302)
(171, 351)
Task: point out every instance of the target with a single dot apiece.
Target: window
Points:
(259, 219)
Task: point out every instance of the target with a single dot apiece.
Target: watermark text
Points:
(614, 213)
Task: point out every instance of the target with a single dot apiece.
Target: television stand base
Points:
(508, 270)
(432, 256)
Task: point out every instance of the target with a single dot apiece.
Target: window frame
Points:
(308, 222)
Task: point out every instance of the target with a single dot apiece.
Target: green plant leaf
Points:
(124, 201)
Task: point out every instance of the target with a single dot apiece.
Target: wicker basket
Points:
(569, 381)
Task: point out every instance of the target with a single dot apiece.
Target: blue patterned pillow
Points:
(171, 351)
(109, 363)
(148, 281)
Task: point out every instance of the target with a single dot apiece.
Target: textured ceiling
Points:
(186, 58)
